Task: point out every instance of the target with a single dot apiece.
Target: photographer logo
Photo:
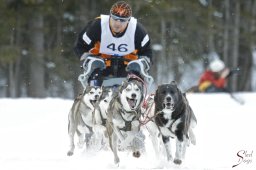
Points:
(244, 157)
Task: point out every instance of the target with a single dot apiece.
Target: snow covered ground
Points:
(34, 137)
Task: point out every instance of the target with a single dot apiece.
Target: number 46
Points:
(120, 48)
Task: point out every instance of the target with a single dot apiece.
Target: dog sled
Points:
(142, 67)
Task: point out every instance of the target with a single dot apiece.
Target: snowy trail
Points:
(34, 136)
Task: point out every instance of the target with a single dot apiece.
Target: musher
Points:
(114, 45)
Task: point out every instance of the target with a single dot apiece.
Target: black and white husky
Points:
(173, 118)
(123, 118)
(100, 116)
(80, 118)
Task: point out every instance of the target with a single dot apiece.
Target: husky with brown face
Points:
(123, 118)
(80, 118)
(173, 118)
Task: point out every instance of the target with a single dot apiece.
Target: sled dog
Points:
(80, 118)
(100, 115)
(123, 118)
(173, 118)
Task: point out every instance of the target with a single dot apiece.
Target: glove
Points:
(93, 62)
(142, 64)
(87, 57)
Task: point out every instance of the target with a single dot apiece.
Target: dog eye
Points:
(128, 89)
(91, 92)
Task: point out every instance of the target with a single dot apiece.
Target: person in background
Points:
(114, 45)
(214, 79)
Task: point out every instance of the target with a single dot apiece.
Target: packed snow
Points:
(34, 137)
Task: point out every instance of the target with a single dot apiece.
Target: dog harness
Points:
(128, 124)
(103, 120)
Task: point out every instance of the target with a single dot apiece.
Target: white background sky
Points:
(34, 137)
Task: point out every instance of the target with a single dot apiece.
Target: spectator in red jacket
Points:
(214, 79)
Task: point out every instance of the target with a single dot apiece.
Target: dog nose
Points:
(97, 96)
(133, 95)
(168, 99)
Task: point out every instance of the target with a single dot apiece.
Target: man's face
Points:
(118, 25)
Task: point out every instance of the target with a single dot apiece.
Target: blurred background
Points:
(37, 39)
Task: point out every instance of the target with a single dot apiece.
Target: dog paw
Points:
(136, 154)
(177, 161)
(193, 142)
(117, 162)
(70, 153)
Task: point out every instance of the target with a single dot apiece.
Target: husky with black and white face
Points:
(131, 96)
(100, 117)
(80, 118)
(123, 117)
(102, 105)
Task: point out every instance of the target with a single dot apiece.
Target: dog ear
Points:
(87, 89)
(157, 100)
(156, 96)
(124, 82)
(121, 87)
(173, 83)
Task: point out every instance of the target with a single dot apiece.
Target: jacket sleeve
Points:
(88, 37)
(142, 42)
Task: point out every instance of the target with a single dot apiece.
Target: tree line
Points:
(37, 39)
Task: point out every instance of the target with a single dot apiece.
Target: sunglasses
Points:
(116, 18)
